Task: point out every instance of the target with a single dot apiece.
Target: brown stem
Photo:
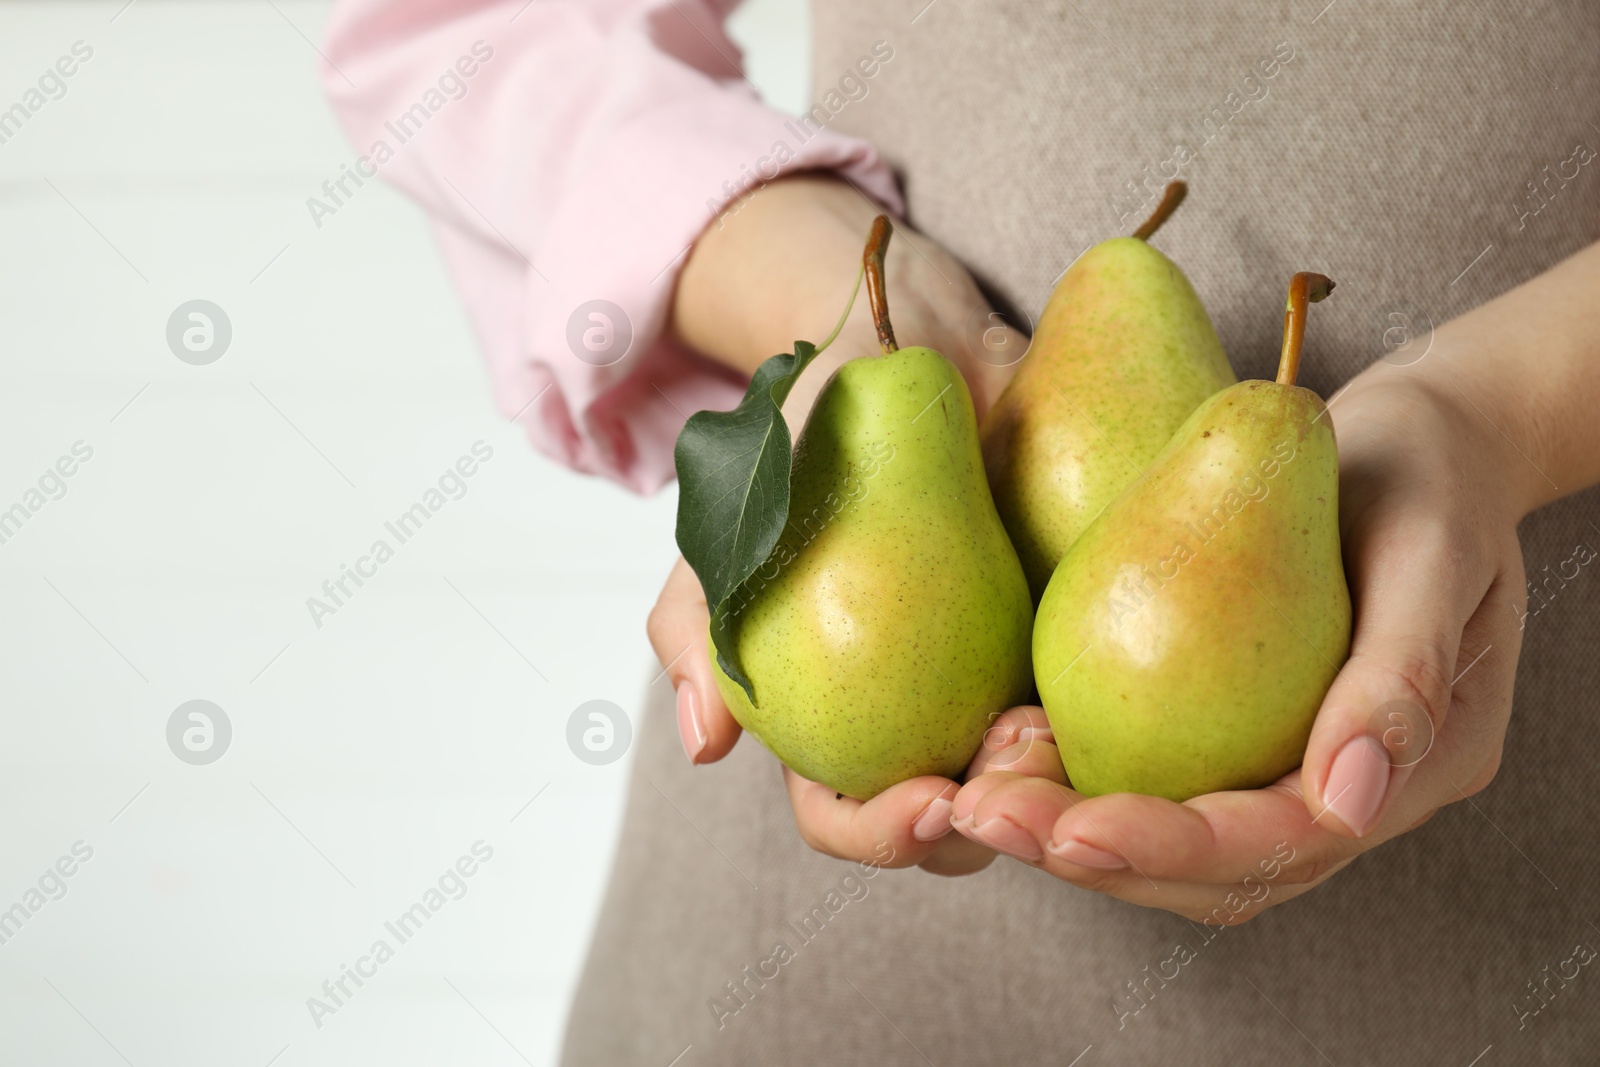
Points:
(877, 295)
(1304, 288)
(1170, 199)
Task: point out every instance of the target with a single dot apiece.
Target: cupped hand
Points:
(777, 268)
(905, 825)
(1414, 721)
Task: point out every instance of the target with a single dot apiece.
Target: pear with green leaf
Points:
(1187, 639)
(891, 622)
(1123, 353)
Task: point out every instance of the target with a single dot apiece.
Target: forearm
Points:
(1528, 365)
(778, 267)
(774, 268)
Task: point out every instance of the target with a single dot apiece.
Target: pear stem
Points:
(1305, 288)
(1171, 197)
(877, 295)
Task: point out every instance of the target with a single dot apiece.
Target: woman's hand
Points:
(777, 267)
(1430, 496)
(912, 818)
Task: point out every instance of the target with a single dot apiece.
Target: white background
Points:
(369, 754)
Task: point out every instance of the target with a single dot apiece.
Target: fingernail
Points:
(1086, 855)
(1356, 783)
(690, 729)
(934, 822)
(1003, 835)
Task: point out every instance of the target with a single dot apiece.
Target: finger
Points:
(1466, 755)
(900, 827)
(1217, 839)
(972, 794)
(1030, 818)
(1016, 815)
(1391, 697)
(957, 855)
(678, 628)
(1020, 740)
(1011, 813)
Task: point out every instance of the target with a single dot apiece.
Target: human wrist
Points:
(1500, 420)
(779, 265)
(1417, 416)
(775, 266)
(1526, 368)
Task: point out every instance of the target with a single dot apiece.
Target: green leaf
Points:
(733, 497)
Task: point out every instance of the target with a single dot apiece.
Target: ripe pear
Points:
(1122, 354)
(892, 622)
(1187, 639)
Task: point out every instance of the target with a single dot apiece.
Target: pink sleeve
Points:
(569, 151)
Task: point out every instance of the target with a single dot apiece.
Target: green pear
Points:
(892, 622)
(1186, 640)
(1122, 354)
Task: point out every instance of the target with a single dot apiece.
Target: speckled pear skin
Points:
(893, 621)
(1123, 353)
(1211, 600)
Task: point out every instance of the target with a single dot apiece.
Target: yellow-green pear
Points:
(1122, 354)
(892, 622)
(1187, 639)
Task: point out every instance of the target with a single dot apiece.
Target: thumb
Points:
(678, 628)
(1389, 701)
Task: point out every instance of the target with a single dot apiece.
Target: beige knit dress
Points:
(1428, 156)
